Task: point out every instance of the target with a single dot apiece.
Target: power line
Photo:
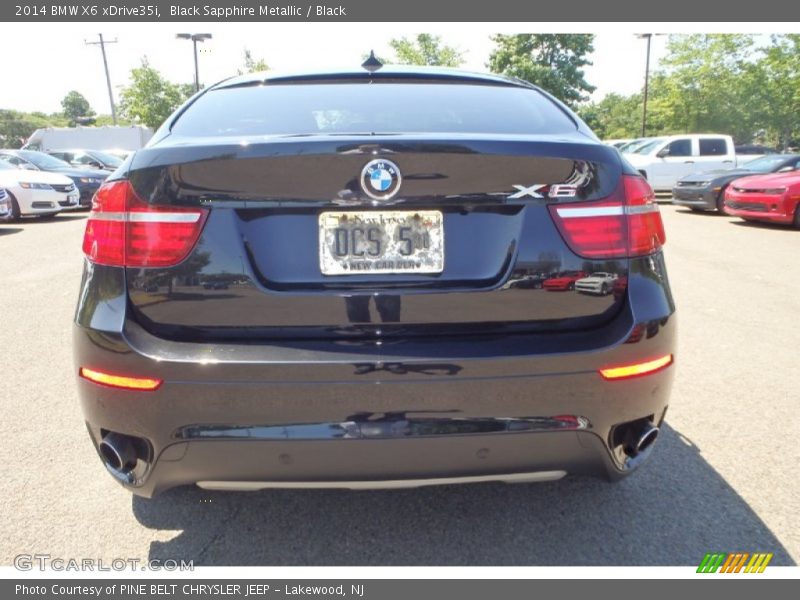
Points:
(102, 43)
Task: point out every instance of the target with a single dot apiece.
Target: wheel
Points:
(721, 202)
(571, 286)
(604, 290)
(796, 221)
(15, 211)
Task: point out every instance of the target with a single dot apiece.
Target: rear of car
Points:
(302, 282)
(771, 198)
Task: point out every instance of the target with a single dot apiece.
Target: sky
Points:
(53, 58)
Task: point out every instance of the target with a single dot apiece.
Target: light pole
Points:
(648, 37)
(195, 37)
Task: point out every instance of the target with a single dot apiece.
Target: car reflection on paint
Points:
(598, 283)
(563, 281)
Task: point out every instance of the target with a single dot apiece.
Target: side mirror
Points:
(663, 152)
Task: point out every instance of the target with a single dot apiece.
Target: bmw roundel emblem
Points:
(380, 179)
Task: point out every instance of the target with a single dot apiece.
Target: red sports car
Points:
(561, 282)
(774, 197)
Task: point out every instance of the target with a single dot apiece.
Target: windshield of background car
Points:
(43, 161)
(380, 107)
(765, 164)
(108, 159)
(648, 147)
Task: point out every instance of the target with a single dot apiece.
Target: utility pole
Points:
(649, 38)
(102, 43)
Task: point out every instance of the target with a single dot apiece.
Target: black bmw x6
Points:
(302, 282)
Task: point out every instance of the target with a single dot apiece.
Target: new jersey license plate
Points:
(353, 243)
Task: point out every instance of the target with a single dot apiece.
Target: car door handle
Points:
(726, 161)
(689, 162)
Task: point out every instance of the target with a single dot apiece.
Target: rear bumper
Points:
(333, 413)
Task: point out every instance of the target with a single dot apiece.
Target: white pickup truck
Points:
(664, 160)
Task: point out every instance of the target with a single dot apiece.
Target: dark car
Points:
(88, 159)
(706, 191)
(87, 180)
(371, 221)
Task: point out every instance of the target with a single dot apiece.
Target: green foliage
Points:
(776, 90)
(425, 50)
(76, 107)
(251, 65)
(16, 127)
(149, 98)
(615, 116)
(719, 83)
(553, 62)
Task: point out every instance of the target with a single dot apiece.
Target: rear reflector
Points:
(144, 384)
(125, 231)
(637, 369)
(616, 228)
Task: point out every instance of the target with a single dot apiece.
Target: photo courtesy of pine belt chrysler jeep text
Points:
(303, 281)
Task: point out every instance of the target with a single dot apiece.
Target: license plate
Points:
(353, 243)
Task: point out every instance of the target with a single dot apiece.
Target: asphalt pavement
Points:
(722, 478)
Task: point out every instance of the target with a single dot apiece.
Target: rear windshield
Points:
(363, 108)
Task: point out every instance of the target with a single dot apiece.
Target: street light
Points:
(195, 37)
(648, 37)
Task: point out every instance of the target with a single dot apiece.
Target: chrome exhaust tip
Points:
(638, 436)
(118, 452)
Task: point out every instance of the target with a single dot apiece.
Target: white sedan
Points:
(5, 204)
(37, 193)
(597, 283)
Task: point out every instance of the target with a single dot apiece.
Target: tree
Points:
(553, 62)
(777, 90)
(705, 85)
(615, 116)
(150, 99)
(252, 65)
(16, 127)
(76, 107)
(425, 50)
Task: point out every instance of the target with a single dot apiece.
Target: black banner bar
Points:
(389, 589)
(379, 11)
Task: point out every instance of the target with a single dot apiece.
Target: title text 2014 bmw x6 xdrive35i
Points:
(300, 282)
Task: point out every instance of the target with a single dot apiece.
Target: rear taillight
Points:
(637, 369)
(630, 226)
(125, 382)
(125, 231)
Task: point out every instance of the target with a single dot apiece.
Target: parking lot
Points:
(722, 478)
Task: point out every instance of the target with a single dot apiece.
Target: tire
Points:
(16, 213)
(796, 221)
(571, 287)
(604, 290)
(721, 202)
(695, 209)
